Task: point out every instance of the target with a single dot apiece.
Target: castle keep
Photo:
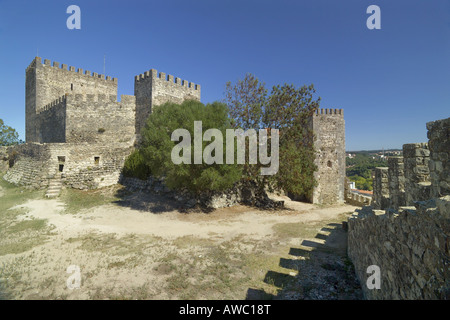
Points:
(76, 130)
(79, 134)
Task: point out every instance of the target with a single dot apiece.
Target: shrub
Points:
(157, 146)
(135, 166)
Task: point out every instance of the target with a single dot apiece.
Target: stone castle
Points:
(77, 132)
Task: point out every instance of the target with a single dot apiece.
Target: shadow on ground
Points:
(143, 201)
(316, 270)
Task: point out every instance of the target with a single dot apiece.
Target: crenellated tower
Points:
(47, 84)
(329, 142)
(152, 89)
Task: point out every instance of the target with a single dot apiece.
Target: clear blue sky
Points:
(390, 82)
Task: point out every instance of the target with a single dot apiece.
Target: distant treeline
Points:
(373, 151)
(359, 169)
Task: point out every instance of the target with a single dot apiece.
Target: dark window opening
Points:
(61, 159)
(97, 160)
(61, 168)
(329, 164)
(71, 86)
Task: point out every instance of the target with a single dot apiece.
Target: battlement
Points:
(57, 102)
(47, 63)
(102, 98)
(78, 97)
(161, 76)
(330, 112)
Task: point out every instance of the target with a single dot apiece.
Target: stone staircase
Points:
(54, 187)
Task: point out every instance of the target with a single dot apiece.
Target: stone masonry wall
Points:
(89, 165)
(46, 82)
(410, 245)
(329, 130)
(152, 89)
(84, 165)
(396, 180)
(381, 188)
(4, 163)
(100, 118)
(30, 167)
(417, 173)
(50, 121)
(411, 248)
(439, 164)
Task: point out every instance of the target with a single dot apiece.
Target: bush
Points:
(157, 146)
(135, 166)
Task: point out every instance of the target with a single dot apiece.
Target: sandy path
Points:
(221, 223)
(127, 253)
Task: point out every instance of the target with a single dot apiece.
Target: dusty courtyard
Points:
(137, 246)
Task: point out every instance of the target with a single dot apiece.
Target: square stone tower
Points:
(152, 89)
(47, 85)
(329, 142)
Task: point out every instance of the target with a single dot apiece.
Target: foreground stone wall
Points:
(381, 188)
(417, 173)
(439, 144)
(411, 248)
(396, 180)
(410, 245)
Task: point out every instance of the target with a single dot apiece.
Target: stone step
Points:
(54, 187)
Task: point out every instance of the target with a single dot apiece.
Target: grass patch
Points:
(191, 241)
(294, 230)
(14, 195)
(19, 236)
(112, 244)
(32, 225)
(79, 200)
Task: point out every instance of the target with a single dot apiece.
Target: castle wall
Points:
(411, 248)
(409, 245)
(380, 188)
(100, 118)
(84, 165)
(439, 162)
(396, 180)
(4, 161)
(46, 82)
(329, 142)
(30, 167)
(30, 103)
(152, 89)
(50, 121)
(89, 165)
(417, 173)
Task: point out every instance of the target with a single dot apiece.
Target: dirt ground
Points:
(142, 247)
